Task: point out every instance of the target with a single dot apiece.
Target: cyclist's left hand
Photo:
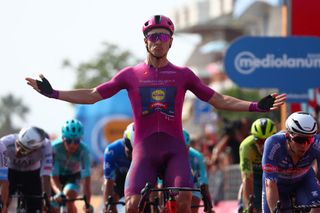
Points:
(88, 210)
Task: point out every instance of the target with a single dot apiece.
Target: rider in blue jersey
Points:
(71, 165)
(117, 160)
(198, 171)
(287, 164)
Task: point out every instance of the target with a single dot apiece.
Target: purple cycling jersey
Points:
(156, 96)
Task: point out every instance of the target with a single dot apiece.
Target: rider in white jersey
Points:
(4, 177)
(29, 164)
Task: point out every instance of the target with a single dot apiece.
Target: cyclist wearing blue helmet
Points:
(71, 164)
(198, 171)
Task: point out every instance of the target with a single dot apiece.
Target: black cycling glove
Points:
(266, 103)
(46, 88)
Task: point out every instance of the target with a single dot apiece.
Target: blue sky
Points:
(37, 35)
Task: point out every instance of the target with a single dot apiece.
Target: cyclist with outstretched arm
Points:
(287, 164)
(71, 166)
(156, 90)
(29, 157)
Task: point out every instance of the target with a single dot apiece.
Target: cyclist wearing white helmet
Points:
(4, 184)
(117, 160)
(287, 164)
(71, 166)
(29, 156)
(156, 89)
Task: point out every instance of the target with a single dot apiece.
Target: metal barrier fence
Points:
(224, 184)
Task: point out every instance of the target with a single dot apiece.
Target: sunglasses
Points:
(158, 36)
(70, 141)
(302, 139)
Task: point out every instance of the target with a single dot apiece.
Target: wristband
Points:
(254, 108)
(54, 94)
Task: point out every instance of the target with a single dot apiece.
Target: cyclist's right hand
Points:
(43, 86)
(58, 197)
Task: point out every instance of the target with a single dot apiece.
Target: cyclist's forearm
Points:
(247, 191)
(80, 96)
(272, 194)
(108, 189)
(46, 186)
(56, 185)
(87, 188)
(4, 192)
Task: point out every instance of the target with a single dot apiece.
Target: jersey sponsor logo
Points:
(273, 151)
(110, 152)
(159, 99)
(158, 95)
(107, 165)
(47, 168)
(270, 168)
(22, 163)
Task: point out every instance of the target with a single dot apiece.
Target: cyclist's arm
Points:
(272, 193)
(247, 188)
(56, 185)
(4, 194)
(46, 186)
(246, 170)
(108, 189)
(87, 187)
(80, 96)
(225, 102)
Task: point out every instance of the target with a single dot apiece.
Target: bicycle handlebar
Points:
(110, 202)
(303, 208)
(145, 192)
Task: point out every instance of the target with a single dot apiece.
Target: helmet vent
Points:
(263, 125)
(303, 129)
(157, 19)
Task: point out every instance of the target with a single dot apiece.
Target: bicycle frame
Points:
(170, 205)
(111, 203)
(64, 200)
(22, 208)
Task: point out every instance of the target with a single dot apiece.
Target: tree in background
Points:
(10, 109)
(101, 68)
